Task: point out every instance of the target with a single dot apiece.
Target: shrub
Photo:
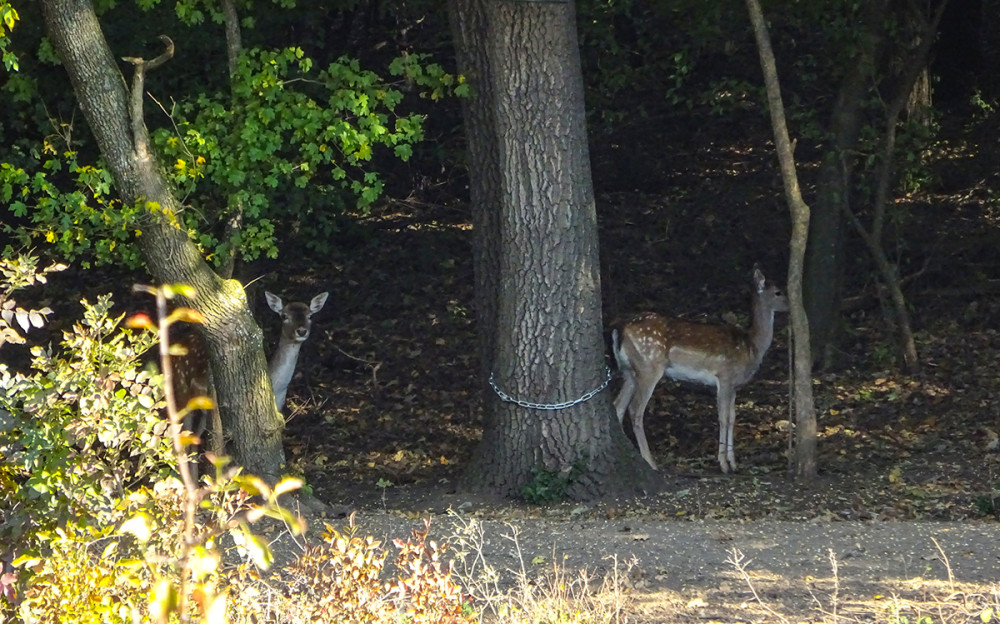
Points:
(105, 531)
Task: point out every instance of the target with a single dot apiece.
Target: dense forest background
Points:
(688, 199)
(314, 147)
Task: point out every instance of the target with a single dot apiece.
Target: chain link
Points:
(550, 406)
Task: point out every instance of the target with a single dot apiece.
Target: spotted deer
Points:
(726, 357)
(296, 321)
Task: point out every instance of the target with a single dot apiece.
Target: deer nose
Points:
(302, 333)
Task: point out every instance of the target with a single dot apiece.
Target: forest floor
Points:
(387, 410)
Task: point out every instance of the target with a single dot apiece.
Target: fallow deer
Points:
(726, 357)
(192, 376)
(296, 321)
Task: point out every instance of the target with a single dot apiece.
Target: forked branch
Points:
(139, 133)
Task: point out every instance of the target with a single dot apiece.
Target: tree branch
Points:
(139, 133)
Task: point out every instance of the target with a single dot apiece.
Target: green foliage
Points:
(131, 566)
(436, 82)
(80, 429)
(286, 148)
(8, 17)
(989, 504)
(19, 272)
(106, 533)
(69, 584)
(914, 140)
(103, 531)
(984, 108)
(882, 356)
(68, 205)
(284, 129)
(645, 59)
(548, 486)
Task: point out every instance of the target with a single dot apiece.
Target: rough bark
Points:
(468, 26)
(234, 48)
(234, 40)
(805, 466)
(234, 340)
(542, 289)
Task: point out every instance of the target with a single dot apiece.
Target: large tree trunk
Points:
(234, 340)
(805, 465)
(542, 293)
(824, 263)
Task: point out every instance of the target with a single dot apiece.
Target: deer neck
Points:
(761, 331)
(282, 363)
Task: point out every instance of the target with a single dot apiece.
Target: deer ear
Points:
(758, 279)
(317, 302)
(273, 301)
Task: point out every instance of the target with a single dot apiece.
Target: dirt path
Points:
(683, 569)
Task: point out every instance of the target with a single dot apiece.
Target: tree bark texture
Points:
(234, 49)
(468, 26)
(538, 243)
(234, 340)
(805, 414)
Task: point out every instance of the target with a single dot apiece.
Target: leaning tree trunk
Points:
(805, 412)
(234, 340)
(547, 348)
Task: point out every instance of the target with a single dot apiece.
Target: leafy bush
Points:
(82, 429)
(20, 272)
(338, 579)
(104, 532)
(341, 579)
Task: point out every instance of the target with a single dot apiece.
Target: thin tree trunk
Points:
(234, 48)
(824, 264)
(233, 338)
(805, 467)
(234, 40)
(872, 236)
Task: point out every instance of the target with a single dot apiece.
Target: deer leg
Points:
(637, 408)
(625, 394)
(726, 399)
(730, 438)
